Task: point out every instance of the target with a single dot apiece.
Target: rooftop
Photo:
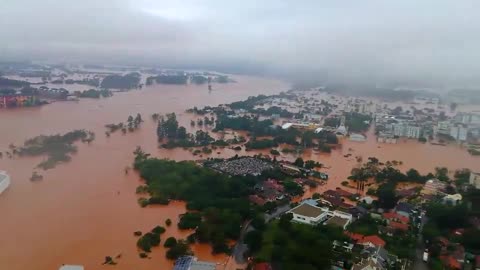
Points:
(71, 267)
(307, 210)
(335, 220)
(191, 263)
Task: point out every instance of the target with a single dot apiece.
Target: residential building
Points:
(71, 267)
(475, 179)
(404, 129)
(452, 199)
(358, 212)
(395, 223)
(369, 263)
(384, 137)
(405, 209)
(459, 132)
(309, 214)
(369, 241)
(434, 186)
(339, 218)
(467, 118)
(443, 127)
(4, 181)
(357, 137)
(192, 263)
(367, 200)
(344, 246)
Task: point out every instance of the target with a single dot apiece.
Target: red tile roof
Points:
(256, 199)
(343, 193)
(355, 236)
(374, 239)
(398, 226)
(451, 262)
(362, 239)
(396, 216)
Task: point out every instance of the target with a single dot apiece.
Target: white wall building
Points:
(406, 130)
(71, 267)
(4, 181)
(357, 137)
(459, 132)
(475, 180)
(309, 214)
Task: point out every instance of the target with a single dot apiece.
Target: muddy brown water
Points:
(87, 209)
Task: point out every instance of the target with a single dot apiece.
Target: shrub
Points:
(158, 230)
(170, 242)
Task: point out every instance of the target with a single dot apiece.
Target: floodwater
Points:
(87, 209)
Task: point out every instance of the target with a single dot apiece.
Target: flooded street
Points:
(87, 209)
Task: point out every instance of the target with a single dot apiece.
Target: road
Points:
(240, 248)
(418, 263)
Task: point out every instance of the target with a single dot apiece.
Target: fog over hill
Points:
(430, 43)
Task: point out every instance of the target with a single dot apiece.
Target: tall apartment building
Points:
(459, 132)
(406, 130)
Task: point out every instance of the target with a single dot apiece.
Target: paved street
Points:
(418, 263)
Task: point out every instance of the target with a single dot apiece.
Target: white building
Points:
(475, 180)
(339, 218)
(4, 181)
(452, 199)
(406, 130)
(309, 214)
(467, 118)
(443, 127)
(459, 132)
(71, 267)
(357, 137)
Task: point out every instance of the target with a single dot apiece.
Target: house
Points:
(4, 181)
(339, 221)
(255, 199)
(370, 263)
(404, 209)
(375, 258)
(71, 267)
(367, 199)
(452, 199)
(357, 212)
(355, 137)
(192, 263)
(370, 241)
(333, 198)
(406, 193)
(395, 217)
(450, 262)
(344, 246)
(434, 186)
(309, 214)
(475, 179)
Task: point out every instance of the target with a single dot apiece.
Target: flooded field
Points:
(87, 209)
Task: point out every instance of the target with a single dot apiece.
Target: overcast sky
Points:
(357, 39)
